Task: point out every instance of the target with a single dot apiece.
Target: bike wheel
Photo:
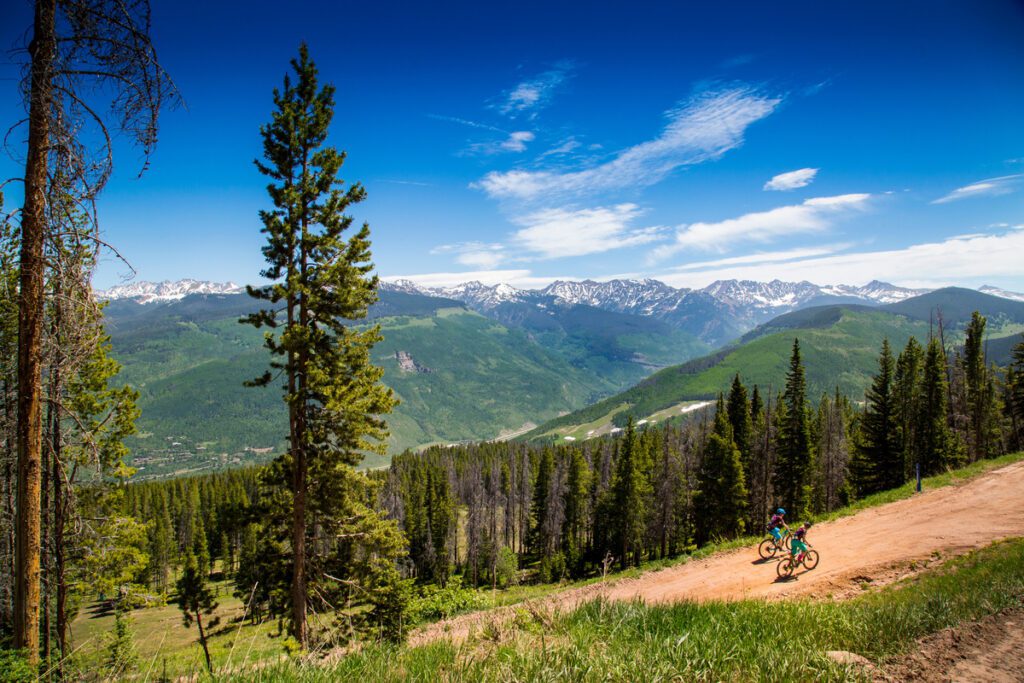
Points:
(785, 568)
(767, 549)
(811, 559)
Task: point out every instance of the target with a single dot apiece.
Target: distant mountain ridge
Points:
(168, 290)
(716, 314)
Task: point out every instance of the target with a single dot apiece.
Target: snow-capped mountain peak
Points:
(1004, 293)
(150, 292)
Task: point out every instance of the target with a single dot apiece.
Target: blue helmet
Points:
(780, 511)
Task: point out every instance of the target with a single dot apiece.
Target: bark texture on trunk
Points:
(30, 332)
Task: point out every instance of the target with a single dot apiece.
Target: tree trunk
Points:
(30, 332)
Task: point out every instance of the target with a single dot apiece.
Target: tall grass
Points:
(710, 641)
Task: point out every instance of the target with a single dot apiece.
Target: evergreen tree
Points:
(982, 427)
(906, 395)
(879, 462)
(122, 654)
(738, 408)
(577, 492)
(540, 536)
(721, 495)
(793, 461)
(322, 283)
(936, 445)
(1014, 396)
(628, 496)
(195, 598)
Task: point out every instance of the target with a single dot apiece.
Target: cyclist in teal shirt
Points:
(800, 539)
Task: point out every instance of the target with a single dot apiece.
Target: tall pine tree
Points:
(879, 462)
(322, 283)
(794, 459)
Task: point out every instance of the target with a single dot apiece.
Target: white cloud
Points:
(704, 128)
(765, 257)
(791, 180)
(983, 188)
(517, 140)
(523, 279)
(532, 95)
(565, 147)
(475, 254)
(811, 216)
(556, 233)
(963, 260)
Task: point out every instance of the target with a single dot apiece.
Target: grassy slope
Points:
(747, 640)
(839, 350)
(160, 635)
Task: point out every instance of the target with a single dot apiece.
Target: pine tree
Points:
(122, 654)
(540, 538)
(322, 282)
(793, 462)
(906, 394)
(1014, 395)
(577, 491)
(628, 495)
(879, 462)
(195, 599)
(721, 496)
(936, 445)
(738, 408)
(982, 428)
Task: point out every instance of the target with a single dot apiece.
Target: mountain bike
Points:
(808, 558)
(770, 546)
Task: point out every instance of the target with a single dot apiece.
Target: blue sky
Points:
(524, 142)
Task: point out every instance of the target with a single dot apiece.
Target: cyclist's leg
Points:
(776, 534)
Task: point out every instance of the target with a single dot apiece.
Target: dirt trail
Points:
(873, 547)
(991, 649)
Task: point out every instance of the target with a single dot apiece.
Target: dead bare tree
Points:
(90, 69)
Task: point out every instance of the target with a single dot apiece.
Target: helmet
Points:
(808, 524)
(780, 511)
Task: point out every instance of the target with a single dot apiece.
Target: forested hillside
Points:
(189, 359)
(840, 344)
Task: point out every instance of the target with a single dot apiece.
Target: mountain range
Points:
(479, 362)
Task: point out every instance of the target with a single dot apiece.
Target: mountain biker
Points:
(777, 520)
(800, 539)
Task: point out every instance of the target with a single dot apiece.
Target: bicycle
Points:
(769, 546)
(807, 558)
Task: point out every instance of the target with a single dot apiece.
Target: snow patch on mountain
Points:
(1003, 293)
(151, 292)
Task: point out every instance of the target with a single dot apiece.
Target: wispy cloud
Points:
(474, 254)
(791, 180)
(566, 146)
(557, 233)
(811, 216)
(963, 259)
(395, 181)
(983, 188)
(532, 95)
(467, 122)
(515, 141)
(704, 128)
(765, 257)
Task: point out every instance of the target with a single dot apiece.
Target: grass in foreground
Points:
(748, 640)
(161, 637)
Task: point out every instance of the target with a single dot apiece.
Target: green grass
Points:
(161, 637)
(708, 641)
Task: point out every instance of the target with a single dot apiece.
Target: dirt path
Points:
(991, 650)
(873, 547)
